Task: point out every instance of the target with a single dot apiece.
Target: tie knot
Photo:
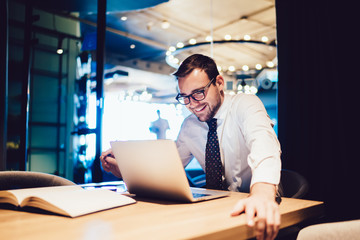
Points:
(212, 124)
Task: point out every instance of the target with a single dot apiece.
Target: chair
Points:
(346, 230)
(24, 179)
(292, 184)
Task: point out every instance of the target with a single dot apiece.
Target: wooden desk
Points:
(151, 220)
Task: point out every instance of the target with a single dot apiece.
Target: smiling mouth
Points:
(200, 109)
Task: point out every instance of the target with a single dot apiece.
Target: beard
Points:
(211, 110)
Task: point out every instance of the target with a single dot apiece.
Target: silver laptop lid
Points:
(152, 168)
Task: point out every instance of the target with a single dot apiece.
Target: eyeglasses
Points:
(198, 95)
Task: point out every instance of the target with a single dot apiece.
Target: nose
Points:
(192, 103)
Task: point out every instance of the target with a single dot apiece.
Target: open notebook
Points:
(153, 168)
(71, 201)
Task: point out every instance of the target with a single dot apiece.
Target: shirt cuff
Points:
(267, 171)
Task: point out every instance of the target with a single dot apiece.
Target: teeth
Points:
(200, 109)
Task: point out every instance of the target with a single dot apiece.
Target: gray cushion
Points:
(25, 179)
(346, 230)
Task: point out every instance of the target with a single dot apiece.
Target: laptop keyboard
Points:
(199, 195)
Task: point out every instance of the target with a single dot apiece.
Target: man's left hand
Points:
(262, 211)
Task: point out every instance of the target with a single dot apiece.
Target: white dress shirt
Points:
(250, 150)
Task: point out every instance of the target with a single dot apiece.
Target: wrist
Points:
(264, 190)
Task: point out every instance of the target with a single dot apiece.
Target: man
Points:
(159, 127)
(248, 152)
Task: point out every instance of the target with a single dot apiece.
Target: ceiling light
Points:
(192, 41)
(179, 45)
(168, 53)
(270, 64)
(165, 24)
(123, 18)
(132, 46)
(172, 49)
(227, 37)
(231, 69)
(253, 90)
(244, 19)
(247, 37)
(258, 66)
(264, 38)
(149, 26)
(245, 68)
(59, 49)
(208, 38)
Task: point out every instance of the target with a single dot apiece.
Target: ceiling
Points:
(138, 38)
(147, 40)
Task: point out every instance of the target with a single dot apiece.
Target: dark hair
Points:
(197, 61)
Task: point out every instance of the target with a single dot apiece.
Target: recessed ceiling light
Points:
(270, 64)
(247, 37)
(123, 18)
(192, 41)
(179, 45)
(231, 69)
(227, 37)
(132, 46)
(165, 24)
(264, 38)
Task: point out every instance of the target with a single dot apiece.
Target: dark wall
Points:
(318, 100)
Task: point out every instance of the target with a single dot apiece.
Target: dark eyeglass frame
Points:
(187, 97)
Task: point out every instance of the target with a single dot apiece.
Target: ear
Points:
(220, 82)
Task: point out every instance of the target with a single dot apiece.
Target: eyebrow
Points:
(198, 89)
(195, 90)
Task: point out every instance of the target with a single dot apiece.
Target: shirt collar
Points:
(221, 113)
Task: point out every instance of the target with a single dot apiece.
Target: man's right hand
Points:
(109, 164)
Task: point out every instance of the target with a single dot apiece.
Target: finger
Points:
(110, 161)
(107, 152)
(260, 226)
(106, 169)
(113, 166)
(260, 222)
(103, 162)
(105, 166)
(270, 221)
(250, 215)
(107, 163)
(277, 221)
(102, 159)
(239, 208)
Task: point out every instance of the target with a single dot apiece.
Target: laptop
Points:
(152, 168)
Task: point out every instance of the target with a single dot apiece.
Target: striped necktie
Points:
(213, 165)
